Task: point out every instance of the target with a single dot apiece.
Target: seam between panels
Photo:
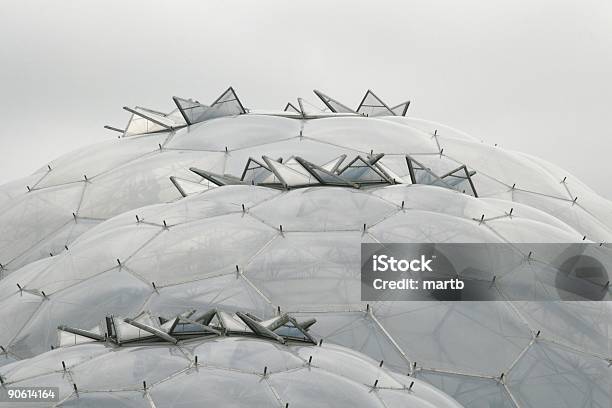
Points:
(574, 348)
(520, 355)
(569, 193)
(514, 401)
(274, 392)
(524, 320)
(63, 184)
(391, 339)
(390, 214)
(379, 398)
(170, 137)
(256, 289)
(150, 400)
(80, 203)
(453, 372)
(41, 178)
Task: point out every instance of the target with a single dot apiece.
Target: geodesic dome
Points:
(259, 247)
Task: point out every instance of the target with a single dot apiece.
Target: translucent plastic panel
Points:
(527, 212)
(308, 108)
(424, 226)
(430, 127)
(200, 249)
(227, 104)
(237, 195)
(359, 171)
(34, 217)
(371, 105)
(51, 361)
(185, 210)
(423, 174)
(568, 212)
(395, 166)
(504, 166)
(232, 323)
(364, 135)
(246, 355)
(584, 325)
(422, 390)
(126, 332)
(218, 388)
(127, 368)
(11, 192)
(139, 125)
(309, 268)
(325, 176)
(398, 398)
(15, 312)
(293, 163)
(456, 335)
(323, 209)
(597, 206)
(470, 391)
(190, 109)
(99, 158)
(55, 244)
(357, 331)
(256, 172)
(333, 104)
(187, 187)
(227, 292)
(401, 109)
(435, 199)
(334, 164)
(143, 182)
(550, 375)
(236, 133)
(460, 180)
(289, 176)
(522, 230)
(574, 186)
(349, 364)
(84, 306)
(66, 339)
(299, 385)
(93, 254)
(108, 400)
(6, 359)
(8, 285)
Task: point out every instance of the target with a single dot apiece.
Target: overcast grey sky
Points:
(529, 75)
